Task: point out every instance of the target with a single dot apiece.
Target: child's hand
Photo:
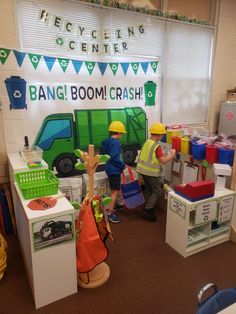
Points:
(172, 151)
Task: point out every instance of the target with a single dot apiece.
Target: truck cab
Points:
(57, 139)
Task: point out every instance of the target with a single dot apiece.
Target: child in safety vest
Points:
(115, 165)
(149, 166)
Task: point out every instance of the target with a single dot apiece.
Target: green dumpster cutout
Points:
(150, 93)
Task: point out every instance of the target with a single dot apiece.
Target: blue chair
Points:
(217, 301)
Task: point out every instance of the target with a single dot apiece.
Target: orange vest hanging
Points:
(90, 249)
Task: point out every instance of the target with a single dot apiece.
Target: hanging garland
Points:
(156, 12)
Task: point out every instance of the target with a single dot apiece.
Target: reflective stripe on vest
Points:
(148, 164)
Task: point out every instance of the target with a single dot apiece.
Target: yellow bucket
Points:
(170, 133)
(185, 145)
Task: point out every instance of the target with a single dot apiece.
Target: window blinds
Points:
(186, 73)
(184, 50)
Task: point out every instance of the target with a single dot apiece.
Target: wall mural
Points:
(40, 83)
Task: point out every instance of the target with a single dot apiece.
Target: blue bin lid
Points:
(14, 79)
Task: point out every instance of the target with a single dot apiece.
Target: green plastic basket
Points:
(37, 183)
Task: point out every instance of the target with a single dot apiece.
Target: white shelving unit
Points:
(195, 226)
(50, 263)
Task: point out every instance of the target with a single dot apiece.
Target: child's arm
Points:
(115, 157)
(164, 159)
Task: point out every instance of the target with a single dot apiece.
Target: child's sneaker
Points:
(113, 218)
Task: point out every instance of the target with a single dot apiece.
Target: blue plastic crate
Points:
(198, 151)
(225, 156)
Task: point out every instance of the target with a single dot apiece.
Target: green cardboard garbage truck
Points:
(61, 133)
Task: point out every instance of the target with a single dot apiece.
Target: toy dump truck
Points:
(62, 133)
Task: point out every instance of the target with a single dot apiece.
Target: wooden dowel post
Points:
(91, 170)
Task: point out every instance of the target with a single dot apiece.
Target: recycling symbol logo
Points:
(17, 94)
(59, 41)
(90, 66)
(149, 94)
(3, 54)
(63, 63)
(34, 59)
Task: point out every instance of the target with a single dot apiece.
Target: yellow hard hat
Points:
(117, 126)
(158, 128)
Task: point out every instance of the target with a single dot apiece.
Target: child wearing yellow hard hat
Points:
(149, 166)
(115, 165)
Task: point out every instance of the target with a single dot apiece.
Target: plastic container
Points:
(150, 93)
(32, 155)
(198, 151)
(163, 140)
(170, 133)
(37, 183)
(176, 143)
(16, 89)
(211, 154)
(190, 147)
(185, 145)
(225, 156)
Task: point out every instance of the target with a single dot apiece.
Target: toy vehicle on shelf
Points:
(62, 133)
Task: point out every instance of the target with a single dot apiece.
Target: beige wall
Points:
(150, 4)
(200, 9)
(224, 66)
(8, 38)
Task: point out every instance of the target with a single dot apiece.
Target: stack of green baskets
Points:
(37, 183)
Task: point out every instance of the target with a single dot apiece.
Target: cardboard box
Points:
(101, 186)
(72, 188)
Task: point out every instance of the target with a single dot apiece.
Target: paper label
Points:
(205, 212)
(225, 208)
(177, 207)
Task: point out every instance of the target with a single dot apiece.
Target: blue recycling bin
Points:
(16, 89)
(225, 156)
(198, 151)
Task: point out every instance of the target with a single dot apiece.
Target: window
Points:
(54, 129)
(186, 73)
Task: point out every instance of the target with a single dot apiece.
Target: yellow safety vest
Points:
(148, 164)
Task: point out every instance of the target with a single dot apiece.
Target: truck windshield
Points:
(54, 129)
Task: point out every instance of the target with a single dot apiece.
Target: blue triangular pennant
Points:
(49, 62)
(102, 67)
(144, 66)
(20, 56)
(125, 66)
(77, 65)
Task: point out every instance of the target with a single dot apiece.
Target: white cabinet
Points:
(47, 242)
(195, 226)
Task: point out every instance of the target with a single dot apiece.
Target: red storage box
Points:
(195, 191)
(211, 154)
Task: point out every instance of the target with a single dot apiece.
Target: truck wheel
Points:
(65, 165)
(129, 155)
